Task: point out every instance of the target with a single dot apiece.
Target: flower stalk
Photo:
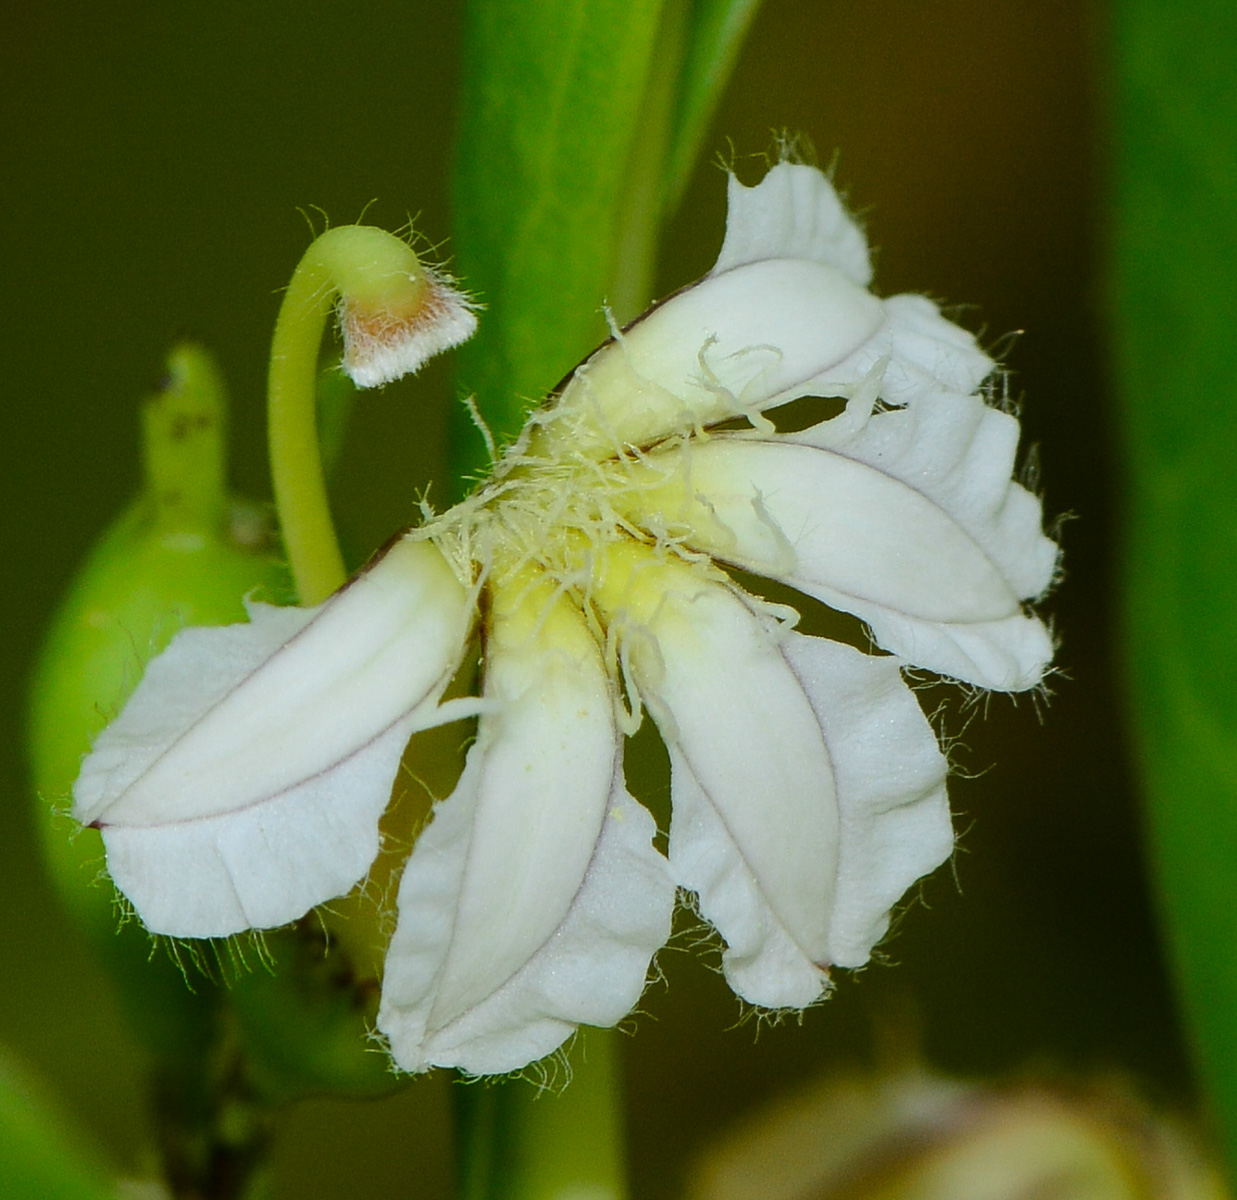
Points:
(524, 1144)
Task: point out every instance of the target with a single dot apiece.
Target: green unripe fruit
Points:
(184, 553)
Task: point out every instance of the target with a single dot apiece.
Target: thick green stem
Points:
(550, 111)
(364, 266)
(569, 116)
(521, 1143)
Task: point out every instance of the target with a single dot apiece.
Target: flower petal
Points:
(235, 734)
(808, 789)
(534, 900)
(264, 865)
(784, 313)
(938, 567)
(890, 777)
(793, 212)
(960, 452)
(731, 344)
(755, 826)
(915, 351)
(225, 718)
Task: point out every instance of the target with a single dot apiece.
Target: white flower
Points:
(244, 781)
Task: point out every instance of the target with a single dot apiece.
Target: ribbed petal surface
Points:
(535, 899)
(936, 551)
(755, 826)
(793, 212)
(243, 781)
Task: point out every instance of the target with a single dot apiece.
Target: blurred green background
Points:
(156, 159)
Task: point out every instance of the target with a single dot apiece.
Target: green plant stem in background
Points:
(579, 125)
(552, 95)
(519, 1143)
(551, 112)
(695, 48)
(642, 198)
(1176, 313)
(713, 36)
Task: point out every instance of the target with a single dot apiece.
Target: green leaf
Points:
(40, 1156)
(580, 124)
(551, 102)
(1176, 313)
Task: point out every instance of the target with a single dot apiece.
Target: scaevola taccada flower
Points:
(244, 781)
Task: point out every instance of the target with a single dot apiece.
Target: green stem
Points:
(714, 37)
(567, 123)
(551, 105)
(365, 266)
(521, 1143)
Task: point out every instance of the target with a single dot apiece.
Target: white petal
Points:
(863, 537)
(534, 900)
(795, 213)
(785, 313)
(225, 718)
(732, 344)
(792, 213)
(264, 865)
(243, 781)
(916, 351)
(765, 960)
(890, 776)
(959, 452)
(808, 789)
(755, 823)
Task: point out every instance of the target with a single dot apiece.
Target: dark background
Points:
(156, 157)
